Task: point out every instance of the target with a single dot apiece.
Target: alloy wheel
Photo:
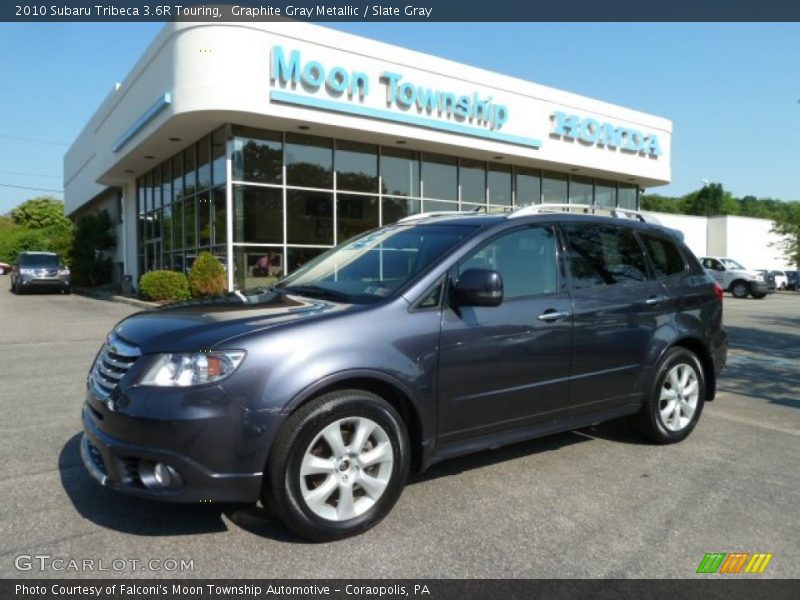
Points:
(346, 468)
(680, 393)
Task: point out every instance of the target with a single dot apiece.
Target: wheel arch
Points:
(701, 351)
(395, 393)
(737, 280)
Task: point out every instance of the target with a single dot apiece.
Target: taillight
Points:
(718, 291)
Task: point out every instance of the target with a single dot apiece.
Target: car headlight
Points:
(184, 370)
(27, 271)
(63, 271)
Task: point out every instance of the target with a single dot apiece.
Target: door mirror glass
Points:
(478, 287)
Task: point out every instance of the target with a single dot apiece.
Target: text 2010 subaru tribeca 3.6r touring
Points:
(433, 337)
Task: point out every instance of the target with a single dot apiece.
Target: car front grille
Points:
(112, 362)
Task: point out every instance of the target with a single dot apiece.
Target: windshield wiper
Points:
(315, 291)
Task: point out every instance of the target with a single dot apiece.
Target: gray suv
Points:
(40, 271)
(439, 335)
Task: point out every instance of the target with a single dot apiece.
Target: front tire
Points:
(740, 289)
(338, 465)
(675, 399)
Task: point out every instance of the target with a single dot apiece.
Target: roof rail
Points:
(439, 213)
(589, 209)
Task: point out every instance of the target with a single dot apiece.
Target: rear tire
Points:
(327, 490)
(739, 289)
(675, 400)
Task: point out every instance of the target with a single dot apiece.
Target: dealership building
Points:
(266, 143)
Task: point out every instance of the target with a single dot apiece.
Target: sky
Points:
(732, 91)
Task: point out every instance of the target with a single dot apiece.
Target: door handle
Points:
(654, 300)
(553, 315)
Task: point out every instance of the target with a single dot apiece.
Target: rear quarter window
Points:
(600, 255)
(665, 257)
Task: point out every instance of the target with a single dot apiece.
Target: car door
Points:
(507, 366)
(617, 309)
(716, 270)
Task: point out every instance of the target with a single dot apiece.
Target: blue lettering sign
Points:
(312, 75)
(590, 132)
(290, 70)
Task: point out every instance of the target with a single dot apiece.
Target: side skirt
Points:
(503, 438)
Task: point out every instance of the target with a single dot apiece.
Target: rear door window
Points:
(664, 255)
(601, 255)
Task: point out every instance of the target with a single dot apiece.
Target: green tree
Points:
(42, 212)
(93, 239)
(19, 240)
(787, 223)
(711, 200)
(662, 204)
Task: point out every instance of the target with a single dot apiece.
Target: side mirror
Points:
(478, 287)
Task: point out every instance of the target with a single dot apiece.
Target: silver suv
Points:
(39, 270)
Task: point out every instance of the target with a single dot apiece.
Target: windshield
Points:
(371, 267)
(731, 264)
(40, 260)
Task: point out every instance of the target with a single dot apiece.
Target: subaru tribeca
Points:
(433, 337)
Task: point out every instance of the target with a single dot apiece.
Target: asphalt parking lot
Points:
(591, 503)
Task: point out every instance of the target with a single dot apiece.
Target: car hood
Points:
(746, 273)
(194, 326)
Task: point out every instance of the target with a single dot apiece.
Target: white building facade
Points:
(748, 240)
(268, 143)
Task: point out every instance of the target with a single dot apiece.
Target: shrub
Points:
(164, 285)
(207, 277)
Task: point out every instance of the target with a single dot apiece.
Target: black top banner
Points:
(401, 10)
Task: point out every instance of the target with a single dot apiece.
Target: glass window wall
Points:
(279, 224)
(356, 167)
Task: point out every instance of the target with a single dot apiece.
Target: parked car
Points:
(792, 280)
(769, 280)
(735, 278)
(40, 271)
(781, 281)
(5, 268)
(416, 342)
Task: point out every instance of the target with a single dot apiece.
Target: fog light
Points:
(159, 476)
(161, 473)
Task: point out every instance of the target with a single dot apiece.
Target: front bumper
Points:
(759, 287)
(44, 283)
(122, 465)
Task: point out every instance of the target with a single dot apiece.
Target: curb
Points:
(113, 298)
